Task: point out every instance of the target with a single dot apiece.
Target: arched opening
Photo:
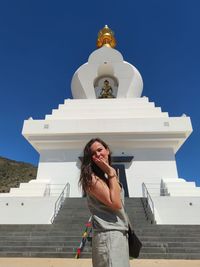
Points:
(105, 84)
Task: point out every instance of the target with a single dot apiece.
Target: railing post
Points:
(60, 200)
(149, 199)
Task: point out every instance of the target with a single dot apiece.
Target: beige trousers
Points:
(110, 249)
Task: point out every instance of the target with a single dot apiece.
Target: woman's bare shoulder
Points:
(96, 183)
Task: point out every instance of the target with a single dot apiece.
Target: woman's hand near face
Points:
(104, 166)
(109, 193)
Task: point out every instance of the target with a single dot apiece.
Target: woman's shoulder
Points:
(96, 182)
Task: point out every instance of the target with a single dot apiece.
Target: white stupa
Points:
(106, 103)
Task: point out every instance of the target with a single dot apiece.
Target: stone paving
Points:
(41, 262)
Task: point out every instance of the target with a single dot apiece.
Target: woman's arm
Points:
(107, 194)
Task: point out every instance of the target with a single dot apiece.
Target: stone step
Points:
(63, 237)
(183, 250)
(43, 239)
(25, 227)
(167, 247)
(88, 255)
(142, 232)
(171, 244)
(39, 254)
(184, 244)
(180, 230)
(186, 256)
(88, 249)
(168, 239)
(168, 234)
(42, 249)
(37, 243)
(76, 235)
(168, 230)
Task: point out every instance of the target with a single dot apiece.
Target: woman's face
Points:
(98, 151)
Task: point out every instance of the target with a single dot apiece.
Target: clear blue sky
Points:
(43, 42)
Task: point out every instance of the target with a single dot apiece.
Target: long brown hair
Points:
(88, 167)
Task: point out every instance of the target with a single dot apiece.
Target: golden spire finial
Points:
(106, 37)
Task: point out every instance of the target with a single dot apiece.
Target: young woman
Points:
(105, 196)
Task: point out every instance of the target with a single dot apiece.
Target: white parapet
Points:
(27, 210)
(180, 187)
(177, 209)
(33, 188)
(32, 203)
(177, 203)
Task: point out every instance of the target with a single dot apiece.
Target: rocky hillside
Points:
(12, 173)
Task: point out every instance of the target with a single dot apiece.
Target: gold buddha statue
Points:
(106, 91)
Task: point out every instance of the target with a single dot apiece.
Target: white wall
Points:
(61, 167)
(177, 210)
(26, 210)
(148, 165)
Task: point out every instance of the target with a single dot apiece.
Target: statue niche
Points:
(106, 91)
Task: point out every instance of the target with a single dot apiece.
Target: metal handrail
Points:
(157, 189)
(60, 200)
(149, 199)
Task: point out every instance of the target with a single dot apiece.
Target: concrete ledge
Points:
(33, 262)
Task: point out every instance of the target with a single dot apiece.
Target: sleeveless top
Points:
(104, 218)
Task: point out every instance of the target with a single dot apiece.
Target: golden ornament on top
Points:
(106, 38)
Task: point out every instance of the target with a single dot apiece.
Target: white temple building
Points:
(107, 103)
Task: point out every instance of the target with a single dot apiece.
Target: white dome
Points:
(106, 64)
